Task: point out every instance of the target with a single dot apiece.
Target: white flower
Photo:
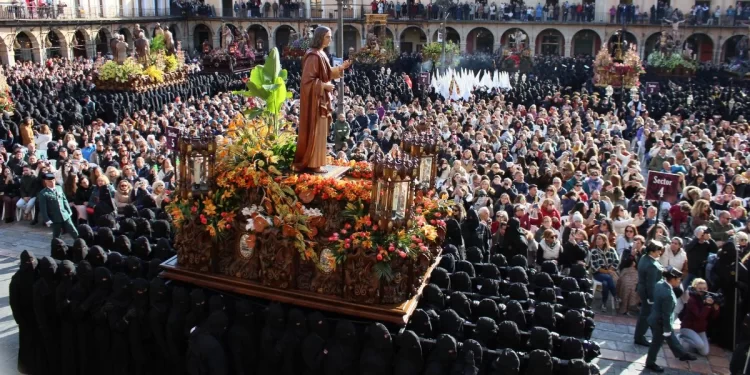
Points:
(248, 211)
(250, 226)
(311, 212)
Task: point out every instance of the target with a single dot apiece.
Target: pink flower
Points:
(347, 226)
(391, 249)
(379, 257)
(343, 231)
(194, 209)
(414, 238)
(402, 254)
(374, 227)
(433, 222)
(335, 236)
(347, 245)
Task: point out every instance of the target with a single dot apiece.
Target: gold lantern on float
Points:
(424, 147)
(393, 189)
(197, 157)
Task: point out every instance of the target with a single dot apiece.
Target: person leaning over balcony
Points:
(275, 7)
(731, 12)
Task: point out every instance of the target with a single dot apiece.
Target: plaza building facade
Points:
(562, 30)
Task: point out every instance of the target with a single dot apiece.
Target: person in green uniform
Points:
(54, 208)
(649, 273)
(341, 130)
(661, 320)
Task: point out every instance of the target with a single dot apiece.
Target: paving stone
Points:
(677, 364)
(613, 354)
(718, 361)
(720, 370)
(703, 368)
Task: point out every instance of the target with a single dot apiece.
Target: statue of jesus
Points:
(315, 103)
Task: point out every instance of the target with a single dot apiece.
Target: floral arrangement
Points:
(378, 53)
(357, 169)
(670, 61)
(6, 102)
(625, 73)
(155, 74)
(434, 52)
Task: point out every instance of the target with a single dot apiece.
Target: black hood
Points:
(142, 248)
(47, 268)
(440, 277)
(460, 304)
(275, 317)
(102, 278)
(122, 245)
(97, 256)
(115, 262)
(86, 233)
(216, 324)
(158, 298)
(28, 261)
(154, 268)
(408, 359)
(451, 323)
(319, 325)
(297, 323)
(216, 303)
(85, 274)
(485, 331)
(444, 350)
(133, 267)
(105, 238)
(420, 323)
(120, 296)
(79, 251)
(379, 337)
(180, 299)
(58, 249)
(488, 308)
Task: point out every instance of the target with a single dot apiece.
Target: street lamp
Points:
(340, 53)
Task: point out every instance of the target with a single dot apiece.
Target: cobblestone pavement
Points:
(613, 333)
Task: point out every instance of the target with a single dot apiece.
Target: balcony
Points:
(64, 13)
(422, 13)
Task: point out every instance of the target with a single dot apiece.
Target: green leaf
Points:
(383, 271)
(283, 74)
(273, 65)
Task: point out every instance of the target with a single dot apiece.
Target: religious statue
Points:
(226, 36)
(169, 43)
(142, 49)
(158, 30)
(518, 38)
(137, 30)
(113, 44)
(206, 47)
(121, 50)
(259, 46)
(675, 27)
(372, 42)
(315, 103)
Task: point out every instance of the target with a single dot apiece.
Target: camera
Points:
(717, 297)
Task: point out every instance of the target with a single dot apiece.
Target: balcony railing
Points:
(357, 11)
(21, 12)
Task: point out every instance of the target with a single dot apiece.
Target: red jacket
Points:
(678, 217)
(697, 315)
(542, 213)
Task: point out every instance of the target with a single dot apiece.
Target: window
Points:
(551, 45)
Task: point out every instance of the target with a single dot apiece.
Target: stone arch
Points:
(125, 32)
(480, 39)
(733, 46)
(201, 33)
(79, 43)
(377, 30)
(585, 42)
(234, 29)
(451, 35)
(411, 39)
(55, 44)
(284, 35)
(650, 44)
(628, 37)
(26, 47)
(175, 30)
(702, 46)
(352, 39)
(550, 42)
(508, 37)
(4, 53)
(103, 37)
(258, 33)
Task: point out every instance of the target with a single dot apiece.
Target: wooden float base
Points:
(397, 314)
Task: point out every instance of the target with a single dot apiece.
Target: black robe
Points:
(271, 344)
(343, 352)
(84, 329)
(118, 316)
(408, 359)
(296, 331)
(157, 320)
(22, 305)
(377, 351)
(46, 316)
(66, 272)
(175, 329)
(139, 331)
(242, 339)
(206, 354)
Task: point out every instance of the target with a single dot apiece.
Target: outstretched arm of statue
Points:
(338, 71)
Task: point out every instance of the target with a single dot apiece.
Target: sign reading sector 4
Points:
(663, 187)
